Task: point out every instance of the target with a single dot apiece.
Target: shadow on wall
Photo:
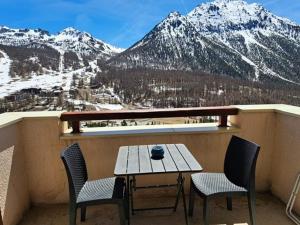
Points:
(6, 158)
(14, 198)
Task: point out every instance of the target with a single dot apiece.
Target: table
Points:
(136, 160)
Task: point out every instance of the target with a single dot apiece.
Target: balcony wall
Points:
(286, 155)
(36, 173)
(14, 195)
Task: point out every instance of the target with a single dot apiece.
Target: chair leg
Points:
(229, 202)
(122, 212)
(251, 205)
(191, 200)
(205, 211)
(83, 214)
(72, 215)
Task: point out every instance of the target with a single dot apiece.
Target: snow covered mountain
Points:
(37, 49)
(82, 43)
(35, 58)
(229, 37)
(68, 39)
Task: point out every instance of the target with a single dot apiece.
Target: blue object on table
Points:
(157, 152)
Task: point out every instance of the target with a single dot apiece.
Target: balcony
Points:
(34, 189)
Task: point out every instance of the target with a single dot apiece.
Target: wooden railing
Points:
(75, 117)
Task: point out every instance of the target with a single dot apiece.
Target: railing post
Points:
(75, 127)
(1, 221)
(223, 121)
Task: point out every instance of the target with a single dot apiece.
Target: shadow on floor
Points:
(270, 211)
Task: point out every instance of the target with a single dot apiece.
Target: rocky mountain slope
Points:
(38, 51)
(223, 37)
(34, 58)
(229, 37)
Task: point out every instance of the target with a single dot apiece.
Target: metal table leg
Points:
(127, 198)
(132, 189)
(180, 182)
(131, 186)
(184, 202)
(178, 191)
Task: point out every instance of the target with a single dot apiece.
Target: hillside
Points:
(227, 37)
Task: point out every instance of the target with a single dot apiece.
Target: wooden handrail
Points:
(75, 117)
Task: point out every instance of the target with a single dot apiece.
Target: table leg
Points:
(184, 202)
(179, 178)
(127, 198)
(180, 190)
(131, 186)
(132, 189)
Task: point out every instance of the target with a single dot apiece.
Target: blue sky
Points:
(118, 22)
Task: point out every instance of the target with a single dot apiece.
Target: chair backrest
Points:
(76, 169)
(240, 162)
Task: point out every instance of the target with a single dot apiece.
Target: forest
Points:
(163, 89)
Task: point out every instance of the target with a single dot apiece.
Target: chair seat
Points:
(214, 183)
(102, 189)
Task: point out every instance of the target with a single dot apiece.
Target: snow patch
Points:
(98, 106)
(108, 106)
(5, 78)
(271, 72)
(45, 81)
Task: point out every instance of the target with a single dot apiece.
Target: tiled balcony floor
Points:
(270, 211)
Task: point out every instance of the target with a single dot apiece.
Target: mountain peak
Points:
(70, 31)
(227, 1)
(229, 37)
(174, 14)
(229, 7)
(224, 15)
(5, 27)
(174, 19)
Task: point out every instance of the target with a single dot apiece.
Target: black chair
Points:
(84, 193)
(238, 178)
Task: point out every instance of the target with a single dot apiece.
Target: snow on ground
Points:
(5, 79)
(271, 72)
(61, 56)
(98, 106)
(45, 81)
(250, 39)
(252, 64)
(61, 62)
(112, 93)
(108, 106)
(94, 66)
(220, 92)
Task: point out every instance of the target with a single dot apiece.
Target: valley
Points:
(221, 53)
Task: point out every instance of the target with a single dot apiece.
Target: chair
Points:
(84, 193)
(238, 178)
